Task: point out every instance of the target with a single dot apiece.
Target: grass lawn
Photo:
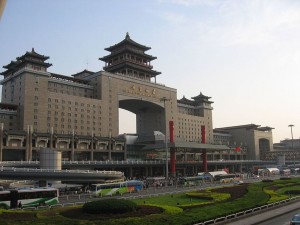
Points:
(171, 200)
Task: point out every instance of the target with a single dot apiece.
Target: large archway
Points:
(127, 122)
(148, 115)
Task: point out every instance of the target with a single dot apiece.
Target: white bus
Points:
(28, 197)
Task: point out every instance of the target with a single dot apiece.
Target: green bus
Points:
(109, 189)
(28, 197)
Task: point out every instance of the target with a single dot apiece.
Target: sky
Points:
(244, 54)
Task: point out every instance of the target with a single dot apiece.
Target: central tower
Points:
(129, 58)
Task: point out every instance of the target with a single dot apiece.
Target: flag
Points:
(238, 149)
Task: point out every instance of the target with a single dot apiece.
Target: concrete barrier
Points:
(43, 207)
(80, 203)
(56, 206)
(29, 208)
(68, 204)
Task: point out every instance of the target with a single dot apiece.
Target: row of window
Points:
(191, 120)
(75, 103)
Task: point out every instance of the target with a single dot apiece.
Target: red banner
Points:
(203, 134)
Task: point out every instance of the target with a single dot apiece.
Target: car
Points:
(238, 182)
(295, 220)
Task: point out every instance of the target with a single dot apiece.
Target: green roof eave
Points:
(125, 50)
(127, 41)
(194, 146)
(33, 54)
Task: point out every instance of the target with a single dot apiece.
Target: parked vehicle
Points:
(28, 197)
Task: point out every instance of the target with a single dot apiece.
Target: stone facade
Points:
(87, 105)
(255, 140)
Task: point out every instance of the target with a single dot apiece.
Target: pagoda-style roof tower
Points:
(197, 100)
(201, 98)
(186, 101)
(33, 59)
(129, 58)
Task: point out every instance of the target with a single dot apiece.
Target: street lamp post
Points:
(291, 126)
(164, 99)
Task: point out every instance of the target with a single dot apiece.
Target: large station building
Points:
(79, 114)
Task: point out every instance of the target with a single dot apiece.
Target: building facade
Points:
(255, 141)
(79, 114)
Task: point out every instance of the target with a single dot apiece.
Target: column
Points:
(172, 149)
(30, 143)
(151, 171)
(1, 141)
(204, 155)
(92, 148)
(73, 147)
(109, 146)
(125, 149)
(27, 144)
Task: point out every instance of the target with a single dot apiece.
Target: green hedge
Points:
(109, 206)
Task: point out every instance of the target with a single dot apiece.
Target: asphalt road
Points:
(278, 216)
(282, 219)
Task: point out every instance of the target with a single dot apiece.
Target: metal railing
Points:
(105, 172)
(127, 162)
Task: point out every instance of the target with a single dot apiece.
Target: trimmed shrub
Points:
(109, 206)
(267, 181)
(285, 178)
(3, 206)
(292, 192)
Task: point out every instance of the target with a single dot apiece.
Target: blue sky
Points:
(244, 54)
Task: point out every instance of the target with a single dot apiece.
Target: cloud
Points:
(174, 18)
(189, 3)
(245, 22)
(259, 22)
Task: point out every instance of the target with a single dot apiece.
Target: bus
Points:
(28, 197)
(226, 178)
(109, 189)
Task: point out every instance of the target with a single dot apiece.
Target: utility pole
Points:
(291, 126)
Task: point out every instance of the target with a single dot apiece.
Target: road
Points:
(277, 216)
(143, 193)
(281, 220)
(151, 190)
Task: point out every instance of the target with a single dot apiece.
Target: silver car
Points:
(295, 220)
